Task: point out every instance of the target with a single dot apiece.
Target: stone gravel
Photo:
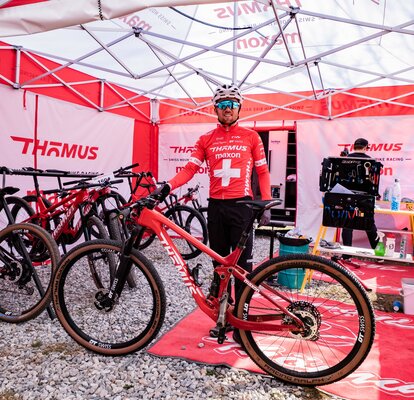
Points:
(38, 360)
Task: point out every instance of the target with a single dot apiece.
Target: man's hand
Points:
(265, 218)
(161, 192)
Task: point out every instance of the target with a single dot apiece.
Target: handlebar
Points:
(30, 171)
(84, 185)
(125, 169)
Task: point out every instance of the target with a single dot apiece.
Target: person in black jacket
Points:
(361, 146)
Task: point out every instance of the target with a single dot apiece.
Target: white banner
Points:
(391, 142)
(54, 14)
(176, 143)
(51, 134)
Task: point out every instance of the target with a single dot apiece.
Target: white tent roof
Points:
(175, 51)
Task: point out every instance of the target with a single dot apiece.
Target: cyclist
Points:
(230, 152)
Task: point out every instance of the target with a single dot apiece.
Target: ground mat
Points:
(386, 374)
(381, 278)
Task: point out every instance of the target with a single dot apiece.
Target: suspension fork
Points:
(125, 263)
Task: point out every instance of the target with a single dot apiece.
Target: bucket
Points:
(292, 278)
(407, 285)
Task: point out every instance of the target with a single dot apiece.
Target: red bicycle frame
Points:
(67, 207)
(228, 266)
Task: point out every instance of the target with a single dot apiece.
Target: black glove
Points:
(161, 192)
(265, 218)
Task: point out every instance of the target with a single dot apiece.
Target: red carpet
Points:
(387, 373)
(382, 278)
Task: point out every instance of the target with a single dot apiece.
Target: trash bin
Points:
(292, 278)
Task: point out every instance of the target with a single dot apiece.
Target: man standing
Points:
(360, 148)
(231, 152)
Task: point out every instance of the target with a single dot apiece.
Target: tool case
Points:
(356, 174)
(353, 211)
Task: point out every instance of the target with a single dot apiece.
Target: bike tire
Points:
(19, 208)
(191, 221)
(147, 239)
(26, 286)
(137, 315)
(203, 211)
(337, 312)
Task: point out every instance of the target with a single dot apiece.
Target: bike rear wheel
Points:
(336, 311)
(135, 319)
(191, 221)
(25, 283)
(20, 210)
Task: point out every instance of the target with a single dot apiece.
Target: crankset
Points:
(12, 271)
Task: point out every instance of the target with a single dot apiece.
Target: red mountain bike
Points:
(313, 325)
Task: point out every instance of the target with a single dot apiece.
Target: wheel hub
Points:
(102, 301)
(310, 317)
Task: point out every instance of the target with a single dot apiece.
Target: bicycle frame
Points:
(69, 205)
(228, 266)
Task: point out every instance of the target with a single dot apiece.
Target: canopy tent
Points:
(159, 61)
(309, 53)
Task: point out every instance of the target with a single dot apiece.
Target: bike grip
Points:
(78, 181)
(122, 169)
(31, 169)
(51, 191)
(132, 166)
(116, 181)
(57, 171)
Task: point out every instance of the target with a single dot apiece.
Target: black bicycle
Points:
(29, 257)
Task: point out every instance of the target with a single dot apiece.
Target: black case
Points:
(356, 174)
(354, 211)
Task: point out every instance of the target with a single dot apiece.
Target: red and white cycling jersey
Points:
(230, 154)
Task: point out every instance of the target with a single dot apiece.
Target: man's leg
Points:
(347, 236)
(347, 240)
(373, 237)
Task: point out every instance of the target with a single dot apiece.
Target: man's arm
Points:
(189, 170)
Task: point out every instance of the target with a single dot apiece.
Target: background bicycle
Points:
(29, 258)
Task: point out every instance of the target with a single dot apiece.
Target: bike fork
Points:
(122, 271)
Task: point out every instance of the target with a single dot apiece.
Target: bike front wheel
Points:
(137, 314)
(29, 257)
(336, 312)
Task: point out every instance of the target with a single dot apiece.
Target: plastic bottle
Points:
(397, 306)
(380, 248)
(396, 195)
(403, 245)
(390, 245)
(386, 195)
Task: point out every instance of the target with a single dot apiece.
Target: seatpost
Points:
(246, 232)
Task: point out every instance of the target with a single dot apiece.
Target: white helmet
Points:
(227, 91)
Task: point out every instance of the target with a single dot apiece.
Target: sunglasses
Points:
(228, 103)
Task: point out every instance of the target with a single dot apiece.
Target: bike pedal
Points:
(220, 340)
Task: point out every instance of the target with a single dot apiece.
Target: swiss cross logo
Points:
(226, 173)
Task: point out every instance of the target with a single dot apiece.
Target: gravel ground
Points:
(40, 361)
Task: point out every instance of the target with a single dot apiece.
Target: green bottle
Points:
(380, 248)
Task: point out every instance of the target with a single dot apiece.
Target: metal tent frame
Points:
(275, 53)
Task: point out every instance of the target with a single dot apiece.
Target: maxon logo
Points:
(50, 148)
